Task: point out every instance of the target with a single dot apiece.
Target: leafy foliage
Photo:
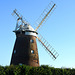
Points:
(27, 70)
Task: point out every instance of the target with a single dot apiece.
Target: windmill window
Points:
(32, 51)
(27, 27)
(20, 64)
(14, 51)
(32, 41)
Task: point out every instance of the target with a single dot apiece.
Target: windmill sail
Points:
(18, 16)
(20, 20)
(42, 19)
(48, 47)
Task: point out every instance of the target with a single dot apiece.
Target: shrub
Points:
(27, 70)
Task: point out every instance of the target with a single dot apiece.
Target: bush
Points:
(27, 70)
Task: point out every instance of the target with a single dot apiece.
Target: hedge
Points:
(27, 70)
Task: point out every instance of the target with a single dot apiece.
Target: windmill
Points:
(25, 50)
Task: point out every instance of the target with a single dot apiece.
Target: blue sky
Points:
(58, 30)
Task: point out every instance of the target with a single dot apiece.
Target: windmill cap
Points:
(26, 29)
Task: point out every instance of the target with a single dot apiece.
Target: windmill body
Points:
(25, 50)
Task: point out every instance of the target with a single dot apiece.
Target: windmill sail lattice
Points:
(17, 15)
(45, 15)
(48, 47)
